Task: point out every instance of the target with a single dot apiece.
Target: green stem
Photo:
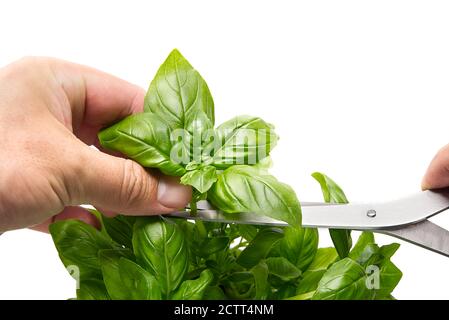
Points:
(201, 228)
(193, 208)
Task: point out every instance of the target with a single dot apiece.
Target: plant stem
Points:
(193, 208)
(201, 228)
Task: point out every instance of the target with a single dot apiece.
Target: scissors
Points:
(406, 218)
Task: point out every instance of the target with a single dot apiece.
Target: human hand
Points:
(437, 175)
(50, 112)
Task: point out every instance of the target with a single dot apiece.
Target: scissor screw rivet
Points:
(371, 213)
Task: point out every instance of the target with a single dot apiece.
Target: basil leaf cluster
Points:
(176, 135)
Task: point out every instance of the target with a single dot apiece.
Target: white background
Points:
(357, 89)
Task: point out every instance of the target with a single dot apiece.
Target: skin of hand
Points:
(437, 175)
(50, 114)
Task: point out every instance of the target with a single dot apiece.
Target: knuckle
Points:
(135, 186)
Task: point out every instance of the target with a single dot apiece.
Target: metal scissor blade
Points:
(362, 216)
(424, 234)
(239, 218)
(377, 216)
(206, 212)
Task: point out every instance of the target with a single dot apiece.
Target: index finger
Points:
(437, 175)
(96, 98)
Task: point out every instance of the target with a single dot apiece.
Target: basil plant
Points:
(164, 258)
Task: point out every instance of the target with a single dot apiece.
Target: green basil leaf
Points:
(194, 289)
(211, 245)
(145, 138)
(160, 248)
(282, 268)
(364, 248)
(369, 256)
(179, 94)
(109, 259)
(259, 247)
(389, 277)
(299, 246)
(99, 217)
(344, 280)
(324, 257)
(247, 231)
(137, 283)
(387, 251)
(244, 189)
(285, 291)
(342, 241)
(92, 290)
(239, 276)
(193, 165)
(334, 194)
(214, 293)
(120, 229)
(309, 282)
(262, 287)
(78, 244)
(241, 140)
(201, 179)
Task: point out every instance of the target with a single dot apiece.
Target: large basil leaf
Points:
(299, 246)
(160, 248)
(78, 244)
(194, 289)
(283, 269)
(120, 229)
(244, 189)
(241, 140)
(138, 284)
(126, 280)
(259, 247)
(344, 280)
(145, 138)
(334, 194)
(201, 179)
(180, 95)
(109, 259)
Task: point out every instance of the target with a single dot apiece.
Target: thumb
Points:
(437, 175)
(122, 185)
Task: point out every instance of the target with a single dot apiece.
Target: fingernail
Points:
(172, 194)
(424, 185)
